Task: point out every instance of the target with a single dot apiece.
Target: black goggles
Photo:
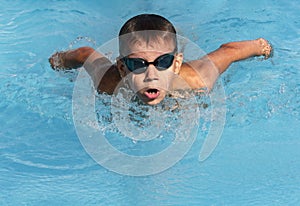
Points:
(139, 65)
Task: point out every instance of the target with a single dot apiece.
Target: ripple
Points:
(45, 163)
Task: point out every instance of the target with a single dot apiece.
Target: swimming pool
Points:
(257, 161)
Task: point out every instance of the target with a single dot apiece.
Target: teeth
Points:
(152, 91)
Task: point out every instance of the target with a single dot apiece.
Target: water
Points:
(257, 161)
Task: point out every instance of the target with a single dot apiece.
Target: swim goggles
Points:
(139, 65)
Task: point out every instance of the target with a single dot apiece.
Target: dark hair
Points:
(146, 27)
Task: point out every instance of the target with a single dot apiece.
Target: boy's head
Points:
(148, 56)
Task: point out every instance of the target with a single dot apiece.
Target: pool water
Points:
(257, 161)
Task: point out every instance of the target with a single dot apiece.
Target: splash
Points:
(83, 39)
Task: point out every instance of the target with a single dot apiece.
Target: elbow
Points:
(227, 46)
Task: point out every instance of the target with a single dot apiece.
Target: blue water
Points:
(257, 161)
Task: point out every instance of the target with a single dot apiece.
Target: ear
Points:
(178, 62)
(121, 68)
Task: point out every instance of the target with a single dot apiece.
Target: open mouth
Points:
(152, 93)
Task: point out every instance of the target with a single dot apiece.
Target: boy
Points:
(150, 61)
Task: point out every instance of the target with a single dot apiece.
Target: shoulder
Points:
(190, 76)
(109, 81)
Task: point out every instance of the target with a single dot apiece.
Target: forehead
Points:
(158, 45)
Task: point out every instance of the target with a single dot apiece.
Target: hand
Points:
(71, 59)
(266, 48)
(57, 61)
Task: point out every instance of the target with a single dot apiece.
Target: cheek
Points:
(136, 82)
(169, 75)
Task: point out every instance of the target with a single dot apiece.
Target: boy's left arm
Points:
(204, 72)
(236, 51)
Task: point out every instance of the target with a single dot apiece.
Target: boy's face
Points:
(152, 84)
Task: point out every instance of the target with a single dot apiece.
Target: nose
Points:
(151, 74)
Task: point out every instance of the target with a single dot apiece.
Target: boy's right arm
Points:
(72, 59)
(103, 73)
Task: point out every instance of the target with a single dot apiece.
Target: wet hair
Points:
(146, 27)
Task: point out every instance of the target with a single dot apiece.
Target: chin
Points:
(154, 101)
